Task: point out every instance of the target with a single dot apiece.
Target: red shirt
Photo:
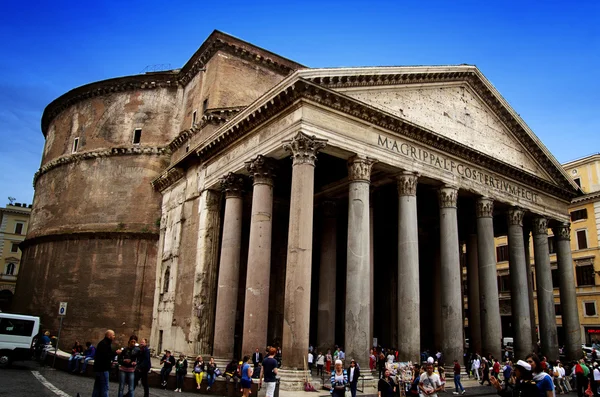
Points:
(456, 369)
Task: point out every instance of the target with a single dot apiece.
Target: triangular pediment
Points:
(456, 103)
(456, 112)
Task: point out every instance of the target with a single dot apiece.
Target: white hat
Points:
(430, 360)
(338, 362)
(524, 365)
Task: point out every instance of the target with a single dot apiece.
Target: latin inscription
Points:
(455, 167)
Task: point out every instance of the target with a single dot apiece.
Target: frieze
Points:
(233, 185)
(562, 231)
(448, 196)
(515, 216)
(484, 207)
(539, 225)
(455, 167)
(407, 184)
(76, 157)
(261, 169)
(304, 148)
(167, 178)
(359, 168)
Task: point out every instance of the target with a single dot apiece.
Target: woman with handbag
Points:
(386, 386)
(199, 371)
(211, 367)
(339, 380)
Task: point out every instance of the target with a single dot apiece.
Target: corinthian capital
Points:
(359, 168)
(515, 216)
(233, 185)
(484, 207)
(304, 148)
(539, 225)
(448, 196)
(407, 184)
(261, 169)
(562, 231)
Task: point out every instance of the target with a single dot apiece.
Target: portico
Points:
(368, 185)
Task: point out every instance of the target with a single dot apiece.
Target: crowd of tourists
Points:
(535, 377)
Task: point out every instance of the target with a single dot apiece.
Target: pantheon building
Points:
(246, 200)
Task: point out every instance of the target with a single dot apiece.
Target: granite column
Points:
(518, 281)
(256, 309)
(327, 279)
(473, 287)
(491, 326)
(409, 311)
(296, 318)
(545, 290)
(358, 272)
(568, 293)
(450, 276)
(229, 267)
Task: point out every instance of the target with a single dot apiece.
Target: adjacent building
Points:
(246, 200)
(14, 222)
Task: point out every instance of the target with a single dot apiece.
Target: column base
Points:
(221, 362)
(292, 379)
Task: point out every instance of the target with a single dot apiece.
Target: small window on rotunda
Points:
(137, 136)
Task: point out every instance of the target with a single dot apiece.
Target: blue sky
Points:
(543, 56)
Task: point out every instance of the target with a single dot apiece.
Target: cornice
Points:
(167, 178)
(88, 236)
(239, 48)
(217, 41)
(306, 90)
(75, 157)
(167, 79)
(588, 197)
(211, 116)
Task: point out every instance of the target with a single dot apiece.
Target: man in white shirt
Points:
(476, 365)
(310, 361)
(430, 383)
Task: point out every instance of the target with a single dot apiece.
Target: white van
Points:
(17, 332)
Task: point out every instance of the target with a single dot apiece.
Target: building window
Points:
(577, 181)
(14, 247)
(589, 308)
(194, 118)
(579, 214)
(166, 280)
(582, 239)
(75, 145)
(557, 309)
(585, 275)
(19, 228)
(137, 136)
(10, 269)
(204, 105)
(502, 253)
(551, 249)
